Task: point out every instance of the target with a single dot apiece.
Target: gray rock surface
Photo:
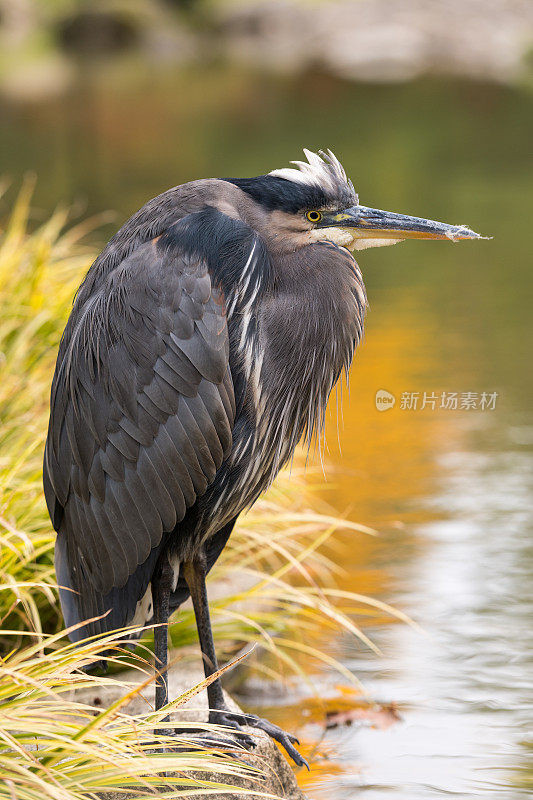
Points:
(382, 40)
(279, 781)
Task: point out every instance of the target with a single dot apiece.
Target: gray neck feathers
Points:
(305, 337)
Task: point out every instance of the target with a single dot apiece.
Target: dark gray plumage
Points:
(122, 465)
(202, 347)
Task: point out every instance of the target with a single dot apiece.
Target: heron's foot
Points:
(235, 719)
(205, 738)
(215, 739)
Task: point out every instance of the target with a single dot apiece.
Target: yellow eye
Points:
(314, 216)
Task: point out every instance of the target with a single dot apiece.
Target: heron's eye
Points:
(314, 216)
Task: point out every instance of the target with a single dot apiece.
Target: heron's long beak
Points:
(371, 223)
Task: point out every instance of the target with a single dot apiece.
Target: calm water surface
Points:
(450, 491)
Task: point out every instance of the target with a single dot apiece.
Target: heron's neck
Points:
(295, 349)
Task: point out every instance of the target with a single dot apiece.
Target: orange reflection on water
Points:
(386, 460)
(385, 456)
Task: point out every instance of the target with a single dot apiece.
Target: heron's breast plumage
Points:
(290, 351)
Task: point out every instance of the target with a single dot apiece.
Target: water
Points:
(448, 490)
(464, 686)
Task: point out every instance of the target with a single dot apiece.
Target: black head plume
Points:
(319, 182)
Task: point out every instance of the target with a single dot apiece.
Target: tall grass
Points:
(53, 745)
(278, 583)
(39, 272)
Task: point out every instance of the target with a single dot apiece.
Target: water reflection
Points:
(464, 687)
(460, 562)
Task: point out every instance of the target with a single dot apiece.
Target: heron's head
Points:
(314, 200)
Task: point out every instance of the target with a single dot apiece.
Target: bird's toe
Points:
(286, 740)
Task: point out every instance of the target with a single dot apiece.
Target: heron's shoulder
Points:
(155, 218)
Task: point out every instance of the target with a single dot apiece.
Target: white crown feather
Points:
(322, 169)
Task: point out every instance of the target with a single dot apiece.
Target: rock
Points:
(279, 780)
(357, 40)
(382, 40)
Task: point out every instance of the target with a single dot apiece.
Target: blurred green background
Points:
(111, 104)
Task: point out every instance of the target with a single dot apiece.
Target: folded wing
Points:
(142, 410)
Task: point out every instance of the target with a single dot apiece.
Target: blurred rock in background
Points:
(361, 40)
(385, 40)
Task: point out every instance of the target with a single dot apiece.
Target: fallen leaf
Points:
(380, 717)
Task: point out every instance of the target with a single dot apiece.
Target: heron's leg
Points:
(194, 572)
(161, 587)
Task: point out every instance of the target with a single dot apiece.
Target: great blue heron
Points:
(202, 346)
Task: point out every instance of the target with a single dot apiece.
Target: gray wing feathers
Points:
(142, 411)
